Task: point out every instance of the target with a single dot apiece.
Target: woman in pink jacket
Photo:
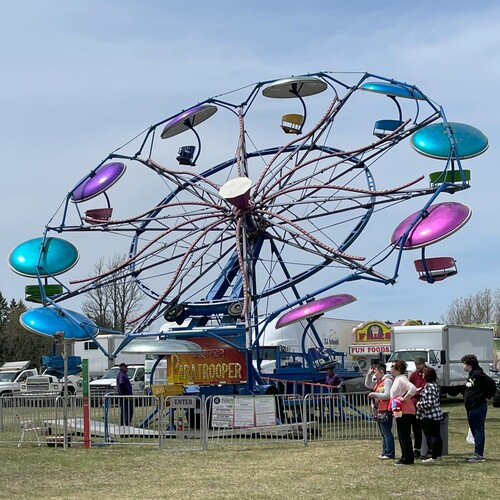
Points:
(402, 391)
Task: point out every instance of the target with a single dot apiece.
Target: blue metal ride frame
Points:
(231, 271)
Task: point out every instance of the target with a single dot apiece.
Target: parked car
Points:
(51, 381)
(354, 384)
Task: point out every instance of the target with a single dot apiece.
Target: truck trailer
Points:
(98, 362)
(442, 347)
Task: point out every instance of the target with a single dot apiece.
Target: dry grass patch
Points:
(342, 469)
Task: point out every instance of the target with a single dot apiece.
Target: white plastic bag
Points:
(470, 437)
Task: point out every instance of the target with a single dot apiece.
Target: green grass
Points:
(341, 469)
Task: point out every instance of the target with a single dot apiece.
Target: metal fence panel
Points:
(124, 420)
(333, 416)
(184, 422)
(187, 422)
(253, 420)
(22, 418)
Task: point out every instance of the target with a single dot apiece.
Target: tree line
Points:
(475, 309)
(16, 344)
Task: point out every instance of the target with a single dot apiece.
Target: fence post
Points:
(86, 407)
(106, 422)
(304, 421)
(203, 424)
(160, 401)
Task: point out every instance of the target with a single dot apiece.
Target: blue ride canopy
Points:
(50, 320)
(392, 89)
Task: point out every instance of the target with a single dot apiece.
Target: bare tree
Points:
(482, 307)
(111, 306)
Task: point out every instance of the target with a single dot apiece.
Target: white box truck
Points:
(443, 346)
(98, 362)
(332, 332)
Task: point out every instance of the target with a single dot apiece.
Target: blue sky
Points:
(81, 78)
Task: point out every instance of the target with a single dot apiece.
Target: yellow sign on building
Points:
(372, 331)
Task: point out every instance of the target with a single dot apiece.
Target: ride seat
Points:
(383, 128)
(292, 123)
(98, 215)
(450, 176)
(438, 268)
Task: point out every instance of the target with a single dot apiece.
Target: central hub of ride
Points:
(237, 192)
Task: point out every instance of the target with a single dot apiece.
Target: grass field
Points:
(341, 470)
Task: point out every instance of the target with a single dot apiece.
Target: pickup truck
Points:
(107, 384)
(12, 374)
(50, 382)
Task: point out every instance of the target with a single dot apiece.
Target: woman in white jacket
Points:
(402, 391)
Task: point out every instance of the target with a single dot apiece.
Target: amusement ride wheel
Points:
(248, 229)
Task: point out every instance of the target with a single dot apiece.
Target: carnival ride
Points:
(256, 225)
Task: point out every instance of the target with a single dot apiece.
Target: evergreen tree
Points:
(4, 309)
(18, 344)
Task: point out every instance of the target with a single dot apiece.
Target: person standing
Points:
(402, 391)
(124, 388)
(477, 389)
(418, 380)
(332, 378)
(335, 381)
(430, 415)
(380, 395)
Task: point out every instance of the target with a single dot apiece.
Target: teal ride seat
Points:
(383, 128)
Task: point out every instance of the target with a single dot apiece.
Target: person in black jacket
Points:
(124, 388)
(476, 390)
